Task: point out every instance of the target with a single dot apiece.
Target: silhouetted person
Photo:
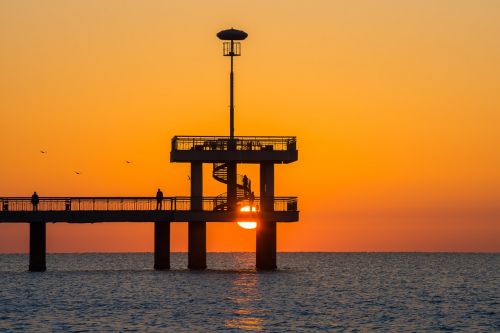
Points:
(245, 184)
(34, 201)
(159, 199)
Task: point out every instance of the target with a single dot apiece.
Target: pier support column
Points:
(232, 190)
(197, 245)
(37, 246)
(162, 245)
(197, 230)
(266, 230)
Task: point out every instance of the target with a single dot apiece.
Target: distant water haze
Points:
(395, 106)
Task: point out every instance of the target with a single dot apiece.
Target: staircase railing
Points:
(243, 188)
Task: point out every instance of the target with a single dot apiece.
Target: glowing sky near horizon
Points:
(396, 107)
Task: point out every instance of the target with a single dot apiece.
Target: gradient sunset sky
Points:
(396, 106)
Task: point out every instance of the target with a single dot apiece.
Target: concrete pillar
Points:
(232, 190)
(37, 247)
(197, 245)
(266, 230)
(197, 230)
(162, 245)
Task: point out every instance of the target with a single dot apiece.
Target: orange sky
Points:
(396, 107)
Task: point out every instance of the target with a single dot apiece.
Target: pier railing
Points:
(275, 143)
(129, 204)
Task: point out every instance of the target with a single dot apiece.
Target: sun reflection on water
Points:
(246, 294)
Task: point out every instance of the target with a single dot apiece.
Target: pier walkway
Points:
(136, 209)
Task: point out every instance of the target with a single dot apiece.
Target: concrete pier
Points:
(197, 230)
(266, 230)
(37, 247)
(162, 245)
(225, 154)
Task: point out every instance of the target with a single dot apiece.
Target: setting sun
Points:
(248, 225)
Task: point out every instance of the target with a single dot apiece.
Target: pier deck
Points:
(136, 209)
(240, 149)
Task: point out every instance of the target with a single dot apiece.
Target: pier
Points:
(197, 210)
(238, 203)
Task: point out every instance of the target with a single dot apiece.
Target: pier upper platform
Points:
(136, 209)
(240, 149)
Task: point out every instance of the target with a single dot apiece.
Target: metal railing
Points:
(212, 143)
(129, 204)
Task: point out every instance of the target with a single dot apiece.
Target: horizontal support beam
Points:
(143, 216)
(252, 156)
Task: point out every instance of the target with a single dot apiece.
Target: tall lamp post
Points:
(231, 49)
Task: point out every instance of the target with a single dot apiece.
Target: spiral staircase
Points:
(243, 190)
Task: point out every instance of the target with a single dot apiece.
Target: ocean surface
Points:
(332, 292)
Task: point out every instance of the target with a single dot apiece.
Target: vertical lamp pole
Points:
(231, 49)
(231, 93)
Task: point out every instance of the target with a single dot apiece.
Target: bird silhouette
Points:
(43, 151)
(77, 172)
(128, 162)
(189, 178)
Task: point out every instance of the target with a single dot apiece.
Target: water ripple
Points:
(332, 292)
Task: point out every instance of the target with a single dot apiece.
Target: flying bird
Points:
(189, 178)
(77, 172)
(128, 162)
(43, 151)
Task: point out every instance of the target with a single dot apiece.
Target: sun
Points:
(247, 225)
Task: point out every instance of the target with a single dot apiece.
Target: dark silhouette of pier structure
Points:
(224, 153)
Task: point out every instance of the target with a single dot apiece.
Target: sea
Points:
(310, 292)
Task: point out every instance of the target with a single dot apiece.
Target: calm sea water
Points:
(337, 292)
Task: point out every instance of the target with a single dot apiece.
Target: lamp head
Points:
(232, 34)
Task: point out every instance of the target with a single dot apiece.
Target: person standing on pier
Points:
(34, 201)
(159, 199)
